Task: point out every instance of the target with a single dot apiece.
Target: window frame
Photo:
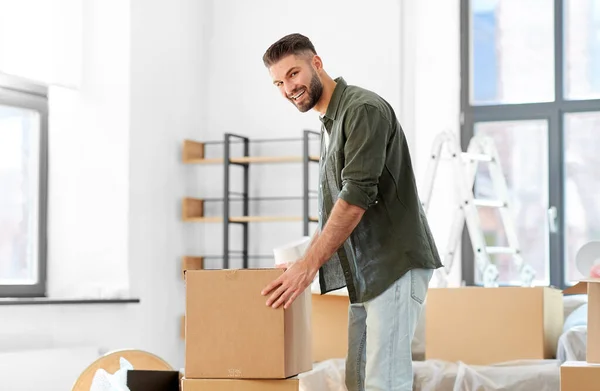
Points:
(553, 112)
(21, 93)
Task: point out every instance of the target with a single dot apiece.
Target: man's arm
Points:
(284, 290)
(344, 218)
(367, 132)
(314, 239)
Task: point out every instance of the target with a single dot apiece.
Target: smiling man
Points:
(373, 236)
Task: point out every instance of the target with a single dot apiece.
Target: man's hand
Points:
(284, 290)
(299, 275)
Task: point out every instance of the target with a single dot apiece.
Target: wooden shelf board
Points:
(191, 263)
(249, 219)
(192, 208)
(253, 159)
(192, 150)
(215, 160)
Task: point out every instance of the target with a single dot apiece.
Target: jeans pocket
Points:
(419, 283)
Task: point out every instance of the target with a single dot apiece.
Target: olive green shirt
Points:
(367, 163)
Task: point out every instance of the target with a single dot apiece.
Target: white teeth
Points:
(299, 95)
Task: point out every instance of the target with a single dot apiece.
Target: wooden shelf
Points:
(191, 263)
(193, 153)
(192, 210)
(192, 150)
(246, 219)
(216, 160)
(253, 159)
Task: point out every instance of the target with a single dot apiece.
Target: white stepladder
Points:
(481, 150)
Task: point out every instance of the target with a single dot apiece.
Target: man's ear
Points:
(317, 63)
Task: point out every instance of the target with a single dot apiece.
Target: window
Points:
(23, 188)
(531, 81)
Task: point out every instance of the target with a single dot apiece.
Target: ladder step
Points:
(501, 250)
(489, 203)
(476, 157)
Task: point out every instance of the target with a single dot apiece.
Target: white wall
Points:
(168, 104)
(89, 152)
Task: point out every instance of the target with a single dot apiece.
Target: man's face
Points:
(297, 81)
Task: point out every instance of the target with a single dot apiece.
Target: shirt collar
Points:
(336, 97)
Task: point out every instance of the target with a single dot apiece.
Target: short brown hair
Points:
(290, 44)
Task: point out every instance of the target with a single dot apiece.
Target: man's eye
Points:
(294, 74)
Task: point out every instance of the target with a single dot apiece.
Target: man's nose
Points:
(289, 89)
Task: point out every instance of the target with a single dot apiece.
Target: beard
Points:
(314, 91)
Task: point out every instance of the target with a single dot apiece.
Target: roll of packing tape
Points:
(587, 258)
(292, 251)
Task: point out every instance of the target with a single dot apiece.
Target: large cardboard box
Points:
(329, 326)
(239, 385)
(579, 376)
(231, 333)
(590, 286)
(482, 326)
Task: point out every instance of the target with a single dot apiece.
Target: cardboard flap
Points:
(577, 289)
(581, 286)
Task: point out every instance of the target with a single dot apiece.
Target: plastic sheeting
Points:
(539, 375)
(572, 302)
(572, 345)
(434, 375)
(579, 317)
(327, 375)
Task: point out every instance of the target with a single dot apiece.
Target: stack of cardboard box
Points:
(585, 375)
(233, 341)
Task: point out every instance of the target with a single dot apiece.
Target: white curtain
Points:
(41, 40)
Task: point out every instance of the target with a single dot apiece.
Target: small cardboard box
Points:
(239, 385)
(329, 326)
(579, 376)
(482, 326)
(591, 287)
(231, 333)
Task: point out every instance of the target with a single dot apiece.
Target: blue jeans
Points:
(380, 334)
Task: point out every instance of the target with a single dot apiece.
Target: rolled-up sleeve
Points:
(367, 133)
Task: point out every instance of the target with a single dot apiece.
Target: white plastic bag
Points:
(104, 381)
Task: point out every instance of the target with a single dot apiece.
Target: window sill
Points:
(57, 301)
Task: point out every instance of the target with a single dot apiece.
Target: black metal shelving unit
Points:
(244, 161)
(226, 198)
(306, 192)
